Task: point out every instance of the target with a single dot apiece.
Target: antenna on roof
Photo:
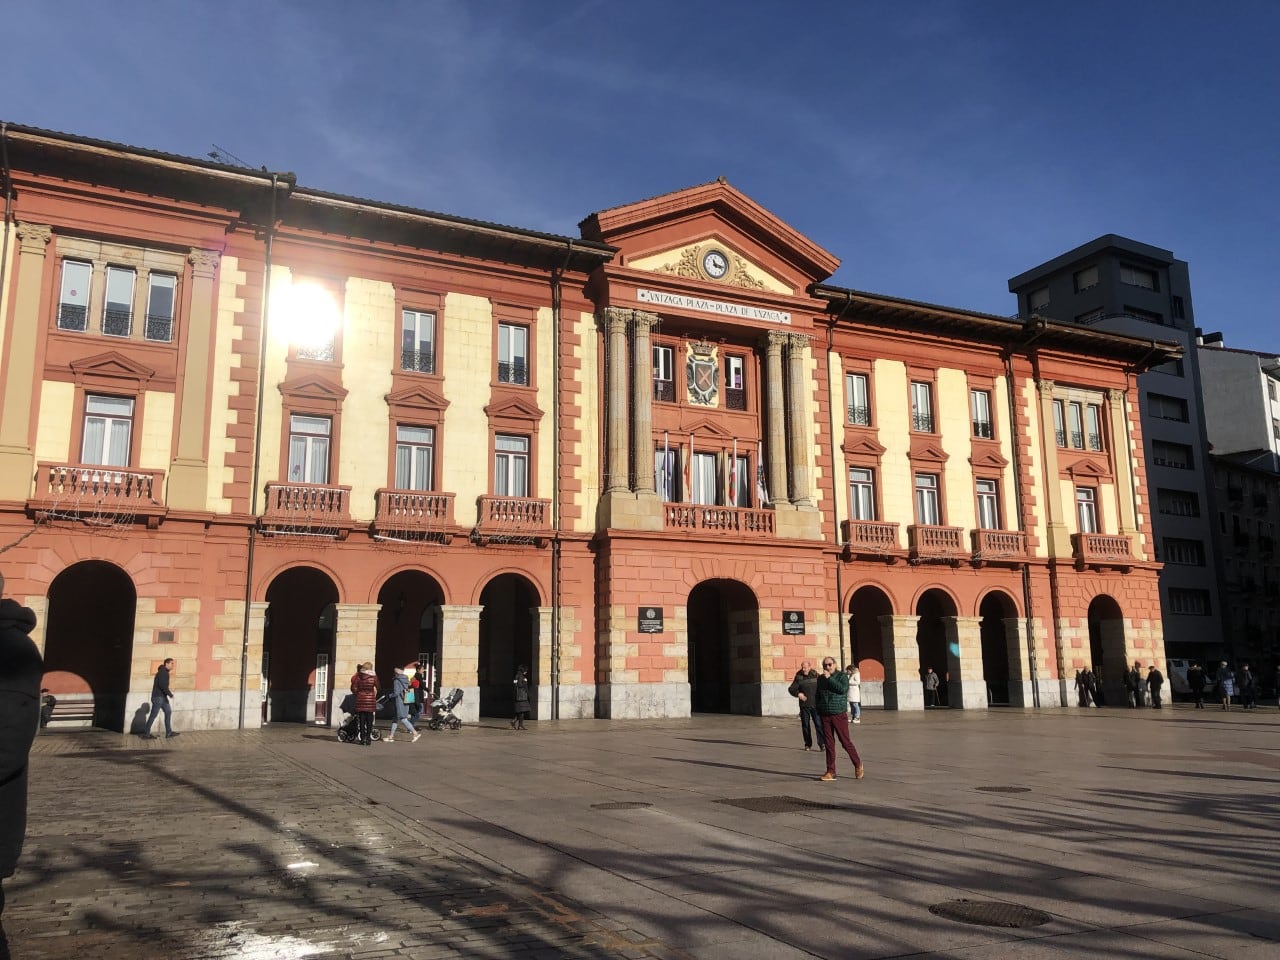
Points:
(225, 156)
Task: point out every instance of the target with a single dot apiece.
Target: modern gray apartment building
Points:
(1122, 286)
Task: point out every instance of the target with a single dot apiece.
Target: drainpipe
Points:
(556, 551)
(1027, 603)
(257, 446)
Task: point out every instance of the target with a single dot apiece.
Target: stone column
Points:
(775, 419)
(799, 427)
(19, 353)
(1123, 459)
(642, 402)
(355, 640)
(460, 656)
(540, 669)
(255, 686)
(616, 466)
(967, 687)
(1059, 537)
(189, 472)
(903, 688)
(1016, 639)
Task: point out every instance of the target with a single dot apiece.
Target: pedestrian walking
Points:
(161, 700)
(1082, 687)
(1135, 682)
(804, 687)
(1155, 680)
(855, 692)
(521, 711)
(1095, 688)
(399, 687)
(1248, 688)
(1196, 681)
(832, 704)
(365, 686)
(1226, 685)
(21, 670)
(931, 683)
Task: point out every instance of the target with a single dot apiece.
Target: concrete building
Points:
(272, 432)
(1120, 285)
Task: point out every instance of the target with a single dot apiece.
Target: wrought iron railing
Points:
(735, 398)
(922, 422)
(117, 322)
(983, 429)
(419, 361)
(860, 416)
(664, 390)
(72, 317)
(159, 328)
(513, 371)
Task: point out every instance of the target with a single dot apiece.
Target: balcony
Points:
(983, 429)
(513, 371)
(859, 416)
(999, 546)
(735, 398)
(922, 422)
(743, 522)
(870, 538)
(413, 516)
(925, 541)
(664, 390)
(418, 361)
(307, 510)
(98, 495)
(1102, 549)
(517, 520)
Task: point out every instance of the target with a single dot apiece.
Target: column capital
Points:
(643, 320)
(34, 237)
(1115, 397)
(777, 339)
(798, 340)
(615, 319)
(1045, 387)
(204, 262)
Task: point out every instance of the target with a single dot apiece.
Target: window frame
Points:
(107, 418)
(1087, 497)
(862, 493)
(112, 314)
(64, 303)
(926, 493)
(512, 456)
(922, 416)
(412, 447)
(979, 397)
(987, 503)
(310, 439)
(510, 377)
(664, 388)
(417, 365)
(151, 318)
(858, 414)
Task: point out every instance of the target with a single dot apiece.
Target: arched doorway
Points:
(88, 647)
(724, 648)
(507, 630)
(409, 624)
(866, 642)
(1107, 649)
(999, 661)
(298, 646)
(935, 641)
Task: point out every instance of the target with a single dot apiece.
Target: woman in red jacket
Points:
(365, 686)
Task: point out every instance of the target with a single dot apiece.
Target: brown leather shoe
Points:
(859, 771)
(828, 777)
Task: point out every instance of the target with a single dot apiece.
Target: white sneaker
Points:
(415, 738)
(857, 721)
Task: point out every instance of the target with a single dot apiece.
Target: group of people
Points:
(1228, 684)
(827, 702)
(408, 694)
(1141, 689)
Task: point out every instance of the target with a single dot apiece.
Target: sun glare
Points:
(304, 315)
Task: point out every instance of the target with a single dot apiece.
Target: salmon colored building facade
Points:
(273, 432)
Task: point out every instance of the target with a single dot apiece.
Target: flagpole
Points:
(666, 465)
(733, 473)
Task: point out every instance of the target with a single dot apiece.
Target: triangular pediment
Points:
(928, 452)
(1085, 468)
(697, 261)
(417, 398)
(312, 387)
(513, 408)
(709, 429)
(864, 446)
(990, 459)
(111, 366)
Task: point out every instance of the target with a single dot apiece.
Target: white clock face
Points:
(715, 263)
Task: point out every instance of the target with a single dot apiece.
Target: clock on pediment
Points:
(715, 263)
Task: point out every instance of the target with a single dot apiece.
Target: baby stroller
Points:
(442, 711)
(349, 728)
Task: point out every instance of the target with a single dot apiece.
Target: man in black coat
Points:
(805, 689)
(1195, 680)
(160, 697)
(21, 670)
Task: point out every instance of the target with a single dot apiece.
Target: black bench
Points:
(72, 708)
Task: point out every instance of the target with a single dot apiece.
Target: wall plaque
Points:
(793, 622)
(650, 620)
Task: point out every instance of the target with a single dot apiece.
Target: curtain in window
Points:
(664, 473)
(118, 443)
(95, 435)
(704, 478)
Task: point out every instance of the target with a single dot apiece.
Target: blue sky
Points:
(937, 148)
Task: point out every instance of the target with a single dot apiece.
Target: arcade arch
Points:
(867, 635)
(1107, 653)
(410, 625)
(724, 648)
(1001, 663)
(298, 646)
(509, 629)
(936, 640)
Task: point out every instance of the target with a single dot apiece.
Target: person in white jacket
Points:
(855, 691)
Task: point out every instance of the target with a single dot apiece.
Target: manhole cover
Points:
(777, 804)
(621, 805)
(1004, 789)
(990, 913)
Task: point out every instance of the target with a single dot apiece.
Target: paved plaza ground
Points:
(1146, 834)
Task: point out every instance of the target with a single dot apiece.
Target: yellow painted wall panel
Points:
(1067, 493)
(956, 431)
(221, 416)
(274, 368)
(155, 446)
(468, 358)
(55, 433)
(1008, 488)
(835, 378)
(368, 346)
(544, 471)
(1108, 509)
(893, 417)
(5, 299)
(1028, 405)
(589, 428)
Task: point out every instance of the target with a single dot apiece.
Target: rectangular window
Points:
(740, 482)
(1178, 308)
(928, 512)
(319, 347)
(735, 383)
(1167, 408)
(857, 398)
(1149, 316)
(73, 302)
(513, 354)
(1090, 316)
(1138, 277)
(160, 304)
(703, 478)
(511, 466)
(108, 429)
(1093, 421)
(988, 505)
(666, 474)
(117, 313)
(1087, 509)
(1086, 278)
(664, 384)
(1194, 603)
(309, 449)
(1271, 389)
(1176, 455)
(980, 409)
(415, 458)
(1177, 503)
(1059, 423)
(1038, 299)
(1075, 412)
(862, 493)
(1184, 552)
(921, 407)
(1275, 429)
(418, 341)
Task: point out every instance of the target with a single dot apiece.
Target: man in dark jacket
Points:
(160, 697)
(805, 689)
(1134, 679)
(1195, 680)
(1155, 680)
(833, 707)
(21, 670)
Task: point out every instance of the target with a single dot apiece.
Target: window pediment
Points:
(863, 447)
(318, 393)
(1085, 469)
(111, 368)
(418, 399)
(989, 459)
(514, 409)
(709, 428)
(928, 451)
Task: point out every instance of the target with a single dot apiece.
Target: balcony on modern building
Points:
(307, 510)
(929, 542)
(98, 495)
(744, 522)
(518, 520)
(1102, 550)
(999, 546)
(870, 538)
(413, 516)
